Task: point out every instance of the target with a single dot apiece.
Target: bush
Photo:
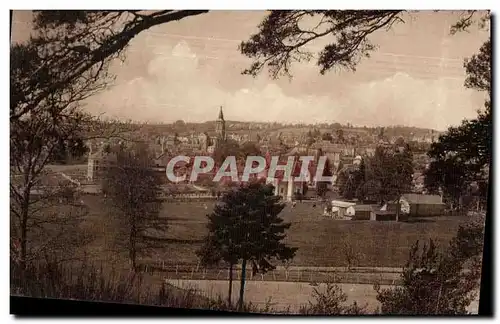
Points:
(439, 282)
(331, 302)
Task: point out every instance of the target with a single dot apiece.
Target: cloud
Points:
(178, 84)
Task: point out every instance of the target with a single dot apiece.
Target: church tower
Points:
(220, 127)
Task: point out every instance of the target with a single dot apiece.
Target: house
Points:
(343, 208)
(289, 187)
(99, 159)
(420, 205)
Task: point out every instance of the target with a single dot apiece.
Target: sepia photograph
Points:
(292, 162)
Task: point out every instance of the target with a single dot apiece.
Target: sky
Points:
(188, 69)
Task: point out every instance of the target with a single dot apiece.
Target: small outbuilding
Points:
(363, 212)
(343, 209)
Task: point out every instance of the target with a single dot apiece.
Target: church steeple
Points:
(221, 115)
(220, 128)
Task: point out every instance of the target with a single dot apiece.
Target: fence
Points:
(292, 274)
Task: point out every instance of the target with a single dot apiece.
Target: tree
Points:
(46, 220)
(132, 189)
(465, 149)
(388, 176)
(283, 37)
(436, 282)
(400, 141)
(340, 135)
(248, 149)
(327, 137)
(46, 122)
(53, 127)
(349, 181)
(225, 149)
(359, 179)
(246, 227)
(448, 176)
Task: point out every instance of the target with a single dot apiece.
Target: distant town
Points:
(344, 145)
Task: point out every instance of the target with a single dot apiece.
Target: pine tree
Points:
(246, 227)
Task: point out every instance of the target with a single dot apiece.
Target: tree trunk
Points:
(24, 226)
(23, 243)
(132, 248)
(230, 292)
(242, 284)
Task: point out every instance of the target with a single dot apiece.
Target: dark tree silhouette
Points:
(466, 148)
(388, 175)
(284, 34)
(246, 227)
(327, 137)
(82, 43)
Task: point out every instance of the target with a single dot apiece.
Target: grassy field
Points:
(317, 237)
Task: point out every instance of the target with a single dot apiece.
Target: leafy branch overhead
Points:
(75, 46)
(282, 37)
(285, 36)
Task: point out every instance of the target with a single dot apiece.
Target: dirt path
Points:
(283, 295)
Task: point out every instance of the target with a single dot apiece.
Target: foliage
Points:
(225, 149)
(388, 175)
(350, 180)
(246, 226)
(284, 37)
(327, 137)
(340, 135)
(439, 282)
(46, 220)
(281, 38)
(132, 189)
(462, 154)
(82, 44)
(331, 301)
(88, 282)
(449, 175)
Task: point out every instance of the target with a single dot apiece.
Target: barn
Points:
(421, 205)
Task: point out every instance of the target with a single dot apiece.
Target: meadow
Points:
(321, 241)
